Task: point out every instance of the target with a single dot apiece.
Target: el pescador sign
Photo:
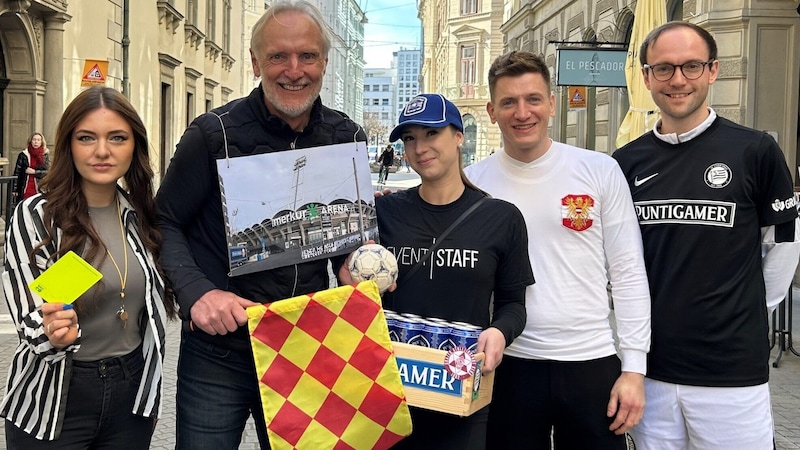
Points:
(600, 67)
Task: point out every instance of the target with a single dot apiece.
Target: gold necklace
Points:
(123, 279)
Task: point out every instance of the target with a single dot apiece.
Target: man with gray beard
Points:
(217, 386)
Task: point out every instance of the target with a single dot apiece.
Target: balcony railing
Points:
(467, 91)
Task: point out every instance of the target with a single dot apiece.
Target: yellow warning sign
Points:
(94, 72)
(577, 97)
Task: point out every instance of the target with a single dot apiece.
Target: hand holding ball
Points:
(373, 262)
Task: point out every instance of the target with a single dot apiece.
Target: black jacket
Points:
(387, 157)
(195, 253)
(23, 161)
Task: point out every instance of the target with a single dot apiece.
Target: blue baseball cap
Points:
(428, 110)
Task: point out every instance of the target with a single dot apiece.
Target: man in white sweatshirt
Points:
(564, 373)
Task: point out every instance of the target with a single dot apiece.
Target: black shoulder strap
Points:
(439, 240)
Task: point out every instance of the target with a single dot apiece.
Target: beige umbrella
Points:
(643, 114)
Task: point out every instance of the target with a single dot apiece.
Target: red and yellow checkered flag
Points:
(327, 374)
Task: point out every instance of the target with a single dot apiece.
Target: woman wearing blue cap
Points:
(484, 254)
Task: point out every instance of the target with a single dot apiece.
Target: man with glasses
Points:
(719, 227)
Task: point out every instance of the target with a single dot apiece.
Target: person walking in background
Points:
(32, 164)
(562, 374)
(386, 159)
(289, 51)
(411, 221)
(405, 162)
(719, 226)
(88, 376)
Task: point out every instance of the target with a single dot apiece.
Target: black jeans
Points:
(98, 414)
(217, 392)
(433, 430)
(384, 173)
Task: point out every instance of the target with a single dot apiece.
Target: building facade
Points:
(759, 53)
(174, 59)
(408, 64)
(461, 38)
(345, 21)
(379, 105)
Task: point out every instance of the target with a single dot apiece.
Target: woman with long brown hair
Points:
(91, 375)
(32, 164)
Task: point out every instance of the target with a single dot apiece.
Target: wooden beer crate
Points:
(427, 384)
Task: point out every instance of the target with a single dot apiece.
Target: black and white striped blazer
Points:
(38, 379)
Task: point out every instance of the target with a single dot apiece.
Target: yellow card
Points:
(66, 280)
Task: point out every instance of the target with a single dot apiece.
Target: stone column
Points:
(53, 60)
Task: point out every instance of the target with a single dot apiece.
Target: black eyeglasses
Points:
(691, 70)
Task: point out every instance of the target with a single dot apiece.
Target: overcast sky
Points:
(392, 25)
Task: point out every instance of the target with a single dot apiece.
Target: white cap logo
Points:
(416, 106)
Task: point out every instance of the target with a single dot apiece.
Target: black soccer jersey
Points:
(701, 205)
(485, 252)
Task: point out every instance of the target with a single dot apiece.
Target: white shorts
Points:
(683, 417)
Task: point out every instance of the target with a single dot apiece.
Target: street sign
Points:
(94, 73)
(577, 98)
(598, 67)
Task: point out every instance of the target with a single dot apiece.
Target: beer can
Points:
(465, 325)
(437, 334)
(465, 335)
(411, 316)
(448, 342)
(410, 331)
(437, 319)
(391, 324)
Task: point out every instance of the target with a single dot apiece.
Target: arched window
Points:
(675, 10)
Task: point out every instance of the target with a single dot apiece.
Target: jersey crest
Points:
(576, 211)
(718, 175)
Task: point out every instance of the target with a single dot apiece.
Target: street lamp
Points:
(299, 163)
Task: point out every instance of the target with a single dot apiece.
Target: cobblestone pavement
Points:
(784, 385)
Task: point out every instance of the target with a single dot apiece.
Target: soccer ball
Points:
(374, 262)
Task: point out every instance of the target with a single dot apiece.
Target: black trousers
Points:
(531, 398)
(439, 431)
(98, 414)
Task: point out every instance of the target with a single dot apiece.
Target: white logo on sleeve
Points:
(638, 182)
(779, 205)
